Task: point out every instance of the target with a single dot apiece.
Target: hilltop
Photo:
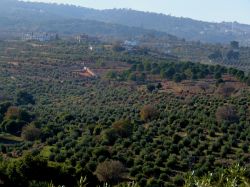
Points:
(43, 16)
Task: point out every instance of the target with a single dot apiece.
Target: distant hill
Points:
(42, 14)
(181, 27)
(18, 17)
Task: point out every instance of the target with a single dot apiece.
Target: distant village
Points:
(45, 37)
(84, 37)
(39, 36)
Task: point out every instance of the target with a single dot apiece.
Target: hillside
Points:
(110, 98)
(17, 18)
(181, 27)
(147, 118)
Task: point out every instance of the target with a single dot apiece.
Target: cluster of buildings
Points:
(39, 36)
(130, 44)
(84, 37)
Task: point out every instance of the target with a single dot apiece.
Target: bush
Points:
(24, 98)
(123, 128)
(30, 132)
(226, 113)
(101, 151)
(110, 171)
(109, 136)
(4, 107)
(179, 181)
(14, 120)
(15, 113)
(148, 112)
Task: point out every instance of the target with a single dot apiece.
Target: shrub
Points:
(123, 128)
(101, 151)
(109, 136)
(30, 132)
(226, 113)
(148, 112)
(15, 113)
(110, 171)
(24, 98)
(179, 181)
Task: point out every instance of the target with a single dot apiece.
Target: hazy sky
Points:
(208, 10)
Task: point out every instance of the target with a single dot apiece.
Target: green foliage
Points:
(234, 44)
(14, 120)
(123, 128)
(12, 126)
(233, 55)
(15, 113)
(176, 71)
(111, 75)
(28, 168)
(109, 136)
(158, 136)
(83, 182)
(24, 98)
(30, 132)
(148, 112)
(179, 181)
(233, 176)
(216, 56)
(4, 107)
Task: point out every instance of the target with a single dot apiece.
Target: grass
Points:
(9, 138)
(45, 152)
